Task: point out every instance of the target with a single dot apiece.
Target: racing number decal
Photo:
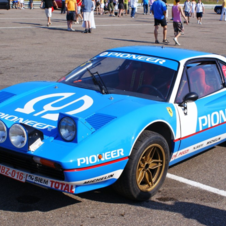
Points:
(29, 106)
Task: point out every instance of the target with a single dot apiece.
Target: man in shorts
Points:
(126, 6)
(158, 9)
(31, 4)
(111, 7)
(199, 11)
(71, 7)
(87, 8)
(48, 9)
(187, 10)
(177, 25)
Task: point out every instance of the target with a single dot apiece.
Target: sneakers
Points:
(176, 42)
(165, 41)
(70, 29)
(156, 42)
(77, 22)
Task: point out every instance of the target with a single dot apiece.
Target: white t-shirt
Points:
(199, 7)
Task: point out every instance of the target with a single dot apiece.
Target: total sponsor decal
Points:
(35, 124)
(211, 120)
(197, 147)
(100, 157)
(133, 57)
(61, 186)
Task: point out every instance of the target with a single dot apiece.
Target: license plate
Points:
(12, 173)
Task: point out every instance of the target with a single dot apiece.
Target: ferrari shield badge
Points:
(170, 111)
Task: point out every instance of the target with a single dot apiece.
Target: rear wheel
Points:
(146, 170)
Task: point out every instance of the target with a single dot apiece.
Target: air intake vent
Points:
(5, 96)
(99, 120)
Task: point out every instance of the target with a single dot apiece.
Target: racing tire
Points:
(146, 169)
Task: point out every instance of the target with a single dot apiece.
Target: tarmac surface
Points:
(29, 51)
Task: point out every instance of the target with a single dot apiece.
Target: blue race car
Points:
(121, 118)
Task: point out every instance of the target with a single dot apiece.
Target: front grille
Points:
(25, 162)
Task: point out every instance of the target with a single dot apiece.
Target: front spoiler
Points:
(106, 175)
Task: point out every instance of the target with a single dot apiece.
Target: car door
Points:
(202, 122)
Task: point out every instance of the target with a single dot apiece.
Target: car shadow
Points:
(35, 24)
(140, 41)
(205, 215)
(23, 197)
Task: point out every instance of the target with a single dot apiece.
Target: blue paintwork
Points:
(109, 126)
(177, 54)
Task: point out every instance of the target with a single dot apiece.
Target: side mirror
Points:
(192, 96)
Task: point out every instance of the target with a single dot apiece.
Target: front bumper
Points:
(76, 180)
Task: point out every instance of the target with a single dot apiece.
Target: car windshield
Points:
(150, 80)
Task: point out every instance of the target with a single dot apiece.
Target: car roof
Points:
(177, 54)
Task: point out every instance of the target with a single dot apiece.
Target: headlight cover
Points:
(17, 136)
(67, 128)
(3, 132)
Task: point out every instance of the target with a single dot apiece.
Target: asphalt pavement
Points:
(30, 51)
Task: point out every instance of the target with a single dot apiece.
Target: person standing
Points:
(120, 7)
(187, 10)
(193, 5)
(111, 8)
(133, 4)
(199, 11)
(145, 6)
(223, 13)
(71, 7)
(177, 25)
(86, 8)
(79, 15)
(158, 9)
(48, 9)
(150, 3)
(101, 7)
(126, 6)
(166, 8)
(63, 8)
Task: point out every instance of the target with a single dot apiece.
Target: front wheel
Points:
(146, 170)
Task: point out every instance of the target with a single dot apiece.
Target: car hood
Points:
(38, 104)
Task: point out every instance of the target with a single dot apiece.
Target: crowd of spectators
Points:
(83, 11)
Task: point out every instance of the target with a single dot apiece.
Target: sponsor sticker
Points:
(100, 157)
(61, 186)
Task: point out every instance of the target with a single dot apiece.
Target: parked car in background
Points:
(5, 4)
(218, 9)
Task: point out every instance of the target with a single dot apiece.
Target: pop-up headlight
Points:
(17, 135)
(67, 128)
(3, 132)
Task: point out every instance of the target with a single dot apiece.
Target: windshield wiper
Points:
(98, 82)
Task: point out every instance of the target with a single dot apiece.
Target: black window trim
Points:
(216, 60)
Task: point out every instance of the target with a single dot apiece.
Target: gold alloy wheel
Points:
(150, 167)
